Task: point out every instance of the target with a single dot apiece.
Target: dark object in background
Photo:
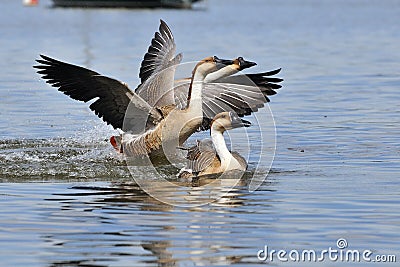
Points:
(126, 3)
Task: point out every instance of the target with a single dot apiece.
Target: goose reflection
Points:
(118, 222)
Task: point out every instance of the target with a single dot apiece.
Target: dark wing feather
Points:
(159, 53)
(262, 80)
(158, 69)
(200, 156)
(242, 99)
(113, 97)
(243, 94)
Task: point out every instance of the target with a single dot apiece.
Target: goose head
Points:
(243, 64)
(211, 64)
(238, 64)
(228, 120)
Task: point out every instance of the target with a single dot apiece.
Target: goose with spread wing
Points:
(153, 99)
(177, 124)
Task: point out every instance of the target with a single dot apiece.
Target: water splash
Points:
(59, 158)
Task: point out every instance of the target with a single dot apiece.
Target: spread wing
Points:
(243, 94)
(262, 80)
(112, 96)
(158, 69)
(200, 156)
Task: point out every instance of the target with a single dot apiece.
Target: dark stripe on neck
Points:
(190, 87)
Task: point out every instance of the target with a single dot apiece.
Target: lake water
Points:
(68, 200)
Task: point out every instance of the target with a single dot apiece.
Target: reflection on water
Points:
(119, 224)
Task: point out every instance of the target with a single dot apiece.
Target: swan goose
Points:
(153, 99)
(212, 156)
(177, 124)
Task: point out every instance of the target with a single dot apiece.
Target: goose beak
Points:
(221, 61)
(237, 122)
(244, 64)
(246, 123)
(240, 123)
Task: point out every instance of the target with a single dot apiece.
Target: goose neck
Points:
(220, 146)
(195, 91)
(222, 73)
